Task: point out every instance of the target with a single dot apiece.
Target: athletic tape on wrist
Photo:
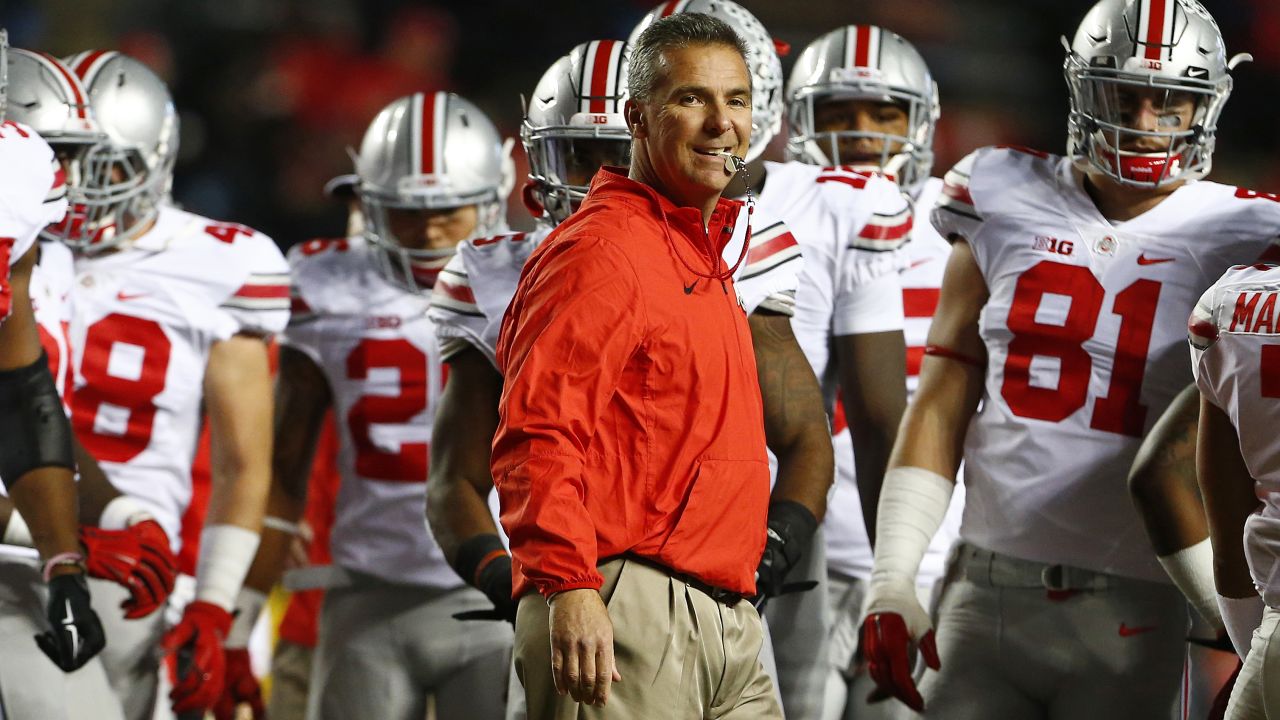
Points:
(1241, 616)
(16, 531)
(226, 552)
(1191, 569)
(122, 512)
(249, 603)
(913, 502)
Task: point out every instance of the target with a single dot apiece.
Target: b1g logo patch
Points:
(1054, 246)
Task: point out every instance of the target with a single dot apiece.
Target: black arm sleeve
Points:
(34, 431)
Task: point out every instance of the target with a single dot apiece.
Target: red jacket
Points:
(631, 419)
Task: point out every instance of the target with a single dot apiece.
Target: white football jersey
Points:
(1083, 330)
(32, 194)
(851, 228)
(848, 549)
(145, 320)
(477, 285)
(1235, 349)
(52, 281)
(378, 350)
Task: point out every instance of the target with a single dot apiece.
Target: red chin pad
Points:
(74, 225)
(529, 195)
(1145, 168)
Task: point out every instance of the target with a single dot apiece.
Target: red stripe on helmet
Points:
(428, 140)
(1155, 28)
(82, 68)
(862, 54)
(669, 8)
(72, 81)
(600, 75)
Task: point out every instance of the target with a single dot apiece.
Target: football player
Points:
(1061, 312)
(1236, 360)
(861, 97)
(171, 313)
(433, 172)
(36, 458)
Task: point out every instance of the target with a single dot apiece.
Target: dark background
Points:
(272, 92)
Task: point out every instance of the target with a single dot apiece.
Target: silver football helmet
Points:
(864, 62)
(762, 61)
(574, 125)
(46, 95)
(430, 151)
(131, 172)
(1172, 47)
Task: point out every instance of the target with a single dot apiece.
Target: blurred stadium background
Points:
(273, 92)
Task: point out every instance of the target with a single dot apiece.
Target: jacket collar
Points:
(612, 184)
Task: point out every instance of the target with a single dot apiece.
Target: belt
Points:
(986, 567)
(728, 598)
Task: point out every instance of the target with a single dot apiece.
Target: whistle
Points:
(732, 163)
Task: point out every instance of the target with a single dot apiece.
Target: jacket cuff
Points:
(591, 581)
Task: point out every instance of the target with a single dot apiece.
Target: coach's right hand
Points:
(893, 625)
(582, 662)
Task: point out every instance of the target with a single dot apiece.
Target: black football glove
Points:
(76, 634)
(493, 578)
(790, 532)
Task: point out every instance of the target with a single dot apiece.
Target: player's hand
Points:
(241, 688)
(894, 627)
(137, 558)
(582, 663)
(1219, 708)
(790, 533)
(76, 634)
(197, 639)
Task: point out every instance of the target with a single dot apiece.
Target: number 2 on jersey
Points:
(410, 363)
(1121, 411)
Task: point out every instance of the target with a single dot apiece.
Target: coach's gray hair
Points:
(677, 31)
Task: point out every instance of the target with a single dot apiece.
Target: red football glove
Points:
(241, 688)
(137, 558)
(1219, 708)
(201, 664)
(886, 645)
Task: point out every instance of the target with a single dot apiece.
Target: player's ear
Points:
(635, 119)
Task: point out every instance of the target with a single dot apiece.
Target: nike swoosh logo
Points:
(1126, 631)
(69, 622)
(125, 297)
(918, 263)
(688, 289)
(1144, 260)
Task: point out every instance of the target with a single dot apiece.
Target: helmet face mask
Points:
(861, 66)
(574, 125)
(127, 175)
(423, 156)
(1135, 59)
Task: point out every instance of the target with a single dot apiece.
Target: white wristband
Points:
(121, 513)
(1242, 616)
(226, 552)
(1191, 569)
(16, 531)
(913, 503)
(248, 606)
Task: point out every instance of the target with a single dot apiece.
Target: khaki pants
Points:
(290, 679)
(681, 654)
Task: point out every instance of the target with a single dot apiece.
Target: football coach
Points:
(630, 452)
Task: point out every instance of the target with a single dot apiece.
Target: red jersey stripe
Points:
(915, 357)
(250, 290)
(770, 248)
(461, 293)
(886, 232)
